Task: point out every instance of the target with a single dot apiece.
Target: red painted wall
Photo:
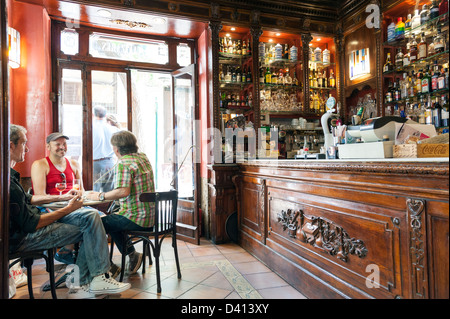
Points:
(30, 85)
(204, 88)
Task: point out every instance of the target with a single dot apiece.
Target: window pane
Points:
(128, 49)
(69, 41)
(71, 113)
(153, 122)
(109, 94)
(183, 54)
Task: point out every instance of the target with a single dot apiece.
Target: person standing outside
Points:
(56, 168)
(103, 154)
(133, 176)
(32, 229)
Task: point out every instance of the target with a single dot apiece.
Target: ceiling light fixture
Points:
(278, 34)
(233, 29)
(131, 24)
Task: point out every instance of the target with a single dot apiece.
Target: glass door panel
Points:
(109, 97)
(153, 122)
(71, 112)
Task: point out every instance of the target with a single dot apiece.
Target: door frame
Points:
(183, 204)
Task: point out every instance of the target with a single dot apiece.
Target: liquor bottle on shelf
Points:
(441, 81)
(431, 51)
(408, 24)
(249, 76)
(400, 29)
(438, 41)
(319, 80)
(434, 10)
(268, 76)
(262, 77)
(228, 75)
(238, 75)
(244, 76)
(413, 50)
(424, 14)
(295, 80)
(244, 48)
(443, 9)
(331, 80)
(412, 87)
(437, 113)
(287, 78)
(391, 32)
(249, 48)
(324, 79)
(422, 48)
(418, 82)
(406, 60)
(426, 82)
(286, 52)
(317, 55)
(415, 22)
(388, 96)
(388, 66)
(444, 111)
(238, 47)
(399, 58)
(428, 112)
(274, 77)
(434, 77)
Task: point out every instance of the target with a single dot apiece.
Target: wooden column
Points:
(306, 39)
(340, 71)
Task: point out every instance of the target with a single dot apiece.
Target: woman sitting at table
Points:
(133, 175)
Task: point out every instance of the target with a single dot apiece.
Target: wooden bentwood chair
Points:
(27, 258)
(165, 224)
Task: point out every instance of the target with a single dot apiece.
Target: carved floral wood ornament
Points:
(321, 234)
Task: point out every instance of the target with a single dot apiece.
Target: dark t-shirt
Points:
(28, 217)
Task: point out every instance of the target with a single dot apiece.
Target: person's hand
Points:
(75, 203)
(68, 196)
(91, 195)
(75, 192)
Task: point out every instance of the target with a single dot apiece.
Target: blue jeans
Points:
(83, 225)
(114, 225)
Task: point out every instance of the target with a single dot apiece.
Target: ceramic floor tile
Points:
(265, 280)
(205, 292)
(286, 292)
(251, 267)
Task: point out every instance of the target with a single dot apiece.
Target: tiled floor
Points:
(208, 272)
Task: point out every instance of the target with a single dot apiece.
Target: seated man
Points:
(56, 168)
(32, 229)
(133, 176)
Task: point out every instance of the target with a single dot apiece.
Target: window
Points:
(128, 49)
(184, 54)
(69, 41)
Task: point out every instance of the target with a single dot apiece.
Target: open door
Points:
(186, 152)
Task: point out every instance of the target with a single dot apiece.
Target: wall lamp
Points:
(14, 48)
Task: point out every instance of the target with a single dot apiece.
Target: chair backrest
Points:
(165, 209)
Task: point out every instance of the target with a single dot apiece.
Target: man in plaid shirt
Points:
(133, 176)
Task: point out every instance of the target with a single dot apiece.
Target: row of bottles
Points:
(317, 102)
(235, 100)
(271, 52)
(416, 51)
(416, 83)
(318, 79)
(278, 77)
(419, 22)
(316, 55)
(235, 74)
(227, 45)
(426, 111)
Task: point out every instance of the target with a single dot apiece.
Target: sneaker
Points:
(65, 256)
(114, 270)
(83, 292)
(105, 284)
(135, 262)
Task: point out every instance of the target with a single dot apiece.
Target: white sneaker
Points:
(82, 293)
(105, 284)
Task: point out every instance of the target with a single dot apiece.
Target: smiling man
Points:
(56, 168)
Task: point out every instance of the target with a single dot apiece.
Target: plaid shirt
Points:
(135, 171)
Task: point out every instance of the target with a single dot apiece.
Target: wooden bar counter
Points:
(349, 229)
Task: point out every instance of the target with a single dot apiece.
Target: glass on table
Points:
(76, 184)
(60, 187)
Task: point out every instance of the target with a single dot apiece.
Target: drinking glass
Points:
(60, 187)
(76, 184)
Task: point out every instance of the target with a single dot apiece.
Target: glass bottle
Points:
(399, 58)
(443, 9)
(441, 81)
(268, 76)
(332, 80)
(444, 111)
(400, 29)
(438, 42)
(437, 113)
(326, 56)
(434, 77)
(415, 22)
(434, 10)
(318, 55)
(426, 82)
(391, 32)
(406, 60)
(244, 48)
(249, 76)
(428, 112)
(413, 50)
(408, 24)
(388, 65)
(422, 48)
(424, 15)
(278, 52)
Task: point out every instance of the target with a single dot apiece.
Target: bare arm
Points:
(116, 193)
(49, 218)
(39, 177)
